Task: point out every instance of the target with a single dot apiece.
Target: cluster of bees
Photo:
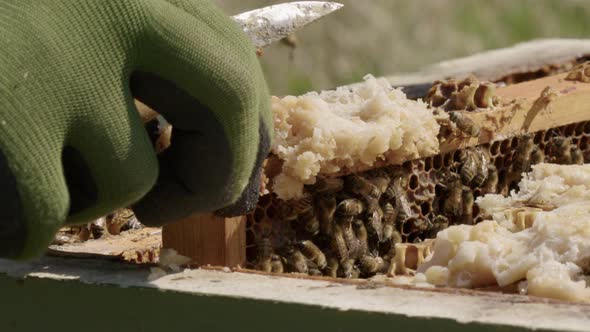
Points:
(113, 224)
(350, 226)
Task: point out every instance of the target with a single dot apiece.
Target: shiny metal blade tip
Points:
(269, 24)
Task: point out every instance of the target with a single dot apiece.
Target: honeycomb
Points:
(349, 226)
(468, 94)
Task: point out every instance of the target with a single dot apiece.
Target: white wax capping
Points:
(550, 255)
(324, 132)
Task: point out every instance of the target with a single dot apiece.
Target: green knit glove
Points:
(72, 146)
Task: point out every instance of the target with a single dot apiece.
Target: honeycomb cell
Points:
(539, 137)
(408, 166)
(259, 214)
(505, 146)
(265, 201)
(476, 192)
(514, 143)
(421, 166)
(425, 208)
(414, 182)
(272, 212)
(569, 130)
(587, 128)
(495, 148)
(428, 164)
(437, 162)
(583, 143)
(415, 209)
(507, 162)
(499, 162)
(575, 141)
(448, 159)
(408, 227)
(580, 128)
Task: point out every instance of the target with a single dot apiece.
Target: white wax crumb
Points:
(324, 132)
(156, 273)
(523, 287)
(546, 254)
(169, 258)
(437, 275)
(402, 280)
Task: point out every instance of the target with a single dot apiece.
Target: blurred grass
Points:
(384, 37)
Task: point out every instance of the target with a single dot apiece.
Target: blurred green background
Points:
(385, 37)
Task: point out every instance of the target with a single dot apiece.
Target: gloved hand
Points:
(72, 146)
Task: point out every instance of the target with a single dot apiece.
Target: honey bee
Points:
(98, 228)
(338, 243)
(452, 205)
(349, 270)
(374, 217)
(362, 187)
(389, 217)
(440, 222)
(362, 236)
(577, 156)
(303, 204)
(265, 265)
(286, 211)
(313, 253)
(349, 207)
(422, 224)
(381, 181)
(352, 243)
(560, 150)
(371, 265)
(328, 185)
(469, 167)
(297, 262)
(332, 267)
(312, 268)
(82, 233)
(464, 124)
(276, 264)
(468, 201)
(121, 220)
(537, 156)
(310, 222)
(482, 169)
(326, 207)
(396, 237)
(491, 185)
(402, 205)
(399, 181)
(265, 251)
(522, 155)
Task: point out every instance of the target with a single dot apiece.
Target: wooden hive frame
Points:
(532, 106)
